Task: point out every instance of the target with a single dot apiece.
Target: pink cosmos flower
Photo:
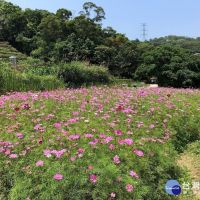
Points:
(39, 127)
(102, 135)
(127, 110)
(49, 116)
(88, 135)
(151, 126)
(129, 120)
(93, 178)
(111, 147)
(7, 151)
(75, 113)
(64, 132)
(94, 142)
(81, 150)
(113, 195)
(58, 177)
(47, 153)
(73, 159)
(138, 152)
(39, 163)
(1, 104)
(140, 124)
(108, 139)
(90, 167)
(130, 133)
(133, 174)
(13, 155)
(74, 137)
(152, 109)
(116, 159)
(20, 135)
(57, 153)
(58, 125)
(128, 141)
(121, 142)
(72, 120)
(118, 132)
(129, 188)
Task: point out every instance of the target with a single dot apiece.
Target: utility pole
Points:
(144, 31)
(1, 37)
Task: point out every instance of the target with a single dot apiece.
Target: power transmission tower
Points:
(144, 31)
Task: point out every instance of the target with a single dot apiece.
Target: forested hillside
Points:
(60, 37)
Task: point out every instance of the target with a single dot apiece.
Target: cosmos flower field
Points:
(95, 143)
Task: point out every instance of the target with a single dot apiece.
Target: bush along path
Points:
(95, 143)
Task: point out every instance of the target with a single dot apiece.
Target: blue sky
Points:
(163, 17)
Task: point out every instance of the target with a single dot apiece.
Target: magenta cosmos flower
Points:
(129, 188)
(118, 132)
(74, 137)
(93, 178)
(116, 159)
(20, 135)
(128, 141)
(133, 174)
(58, 177)
(138, 152)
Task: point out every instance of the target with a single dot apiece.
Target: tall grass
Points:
(13, 80)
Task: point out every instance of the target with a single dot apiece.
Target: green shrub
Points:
(78, 74)
(187, 131)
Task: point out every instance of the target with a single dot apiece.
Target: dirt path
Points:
(153, 85)
(192, 163)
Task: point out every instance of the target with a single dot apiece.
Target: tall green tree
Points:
(93, 12)
(63, 14)
(12, 21)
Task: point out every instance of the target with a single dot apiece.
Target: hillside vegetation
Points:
(57, 38)
(6, 50)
